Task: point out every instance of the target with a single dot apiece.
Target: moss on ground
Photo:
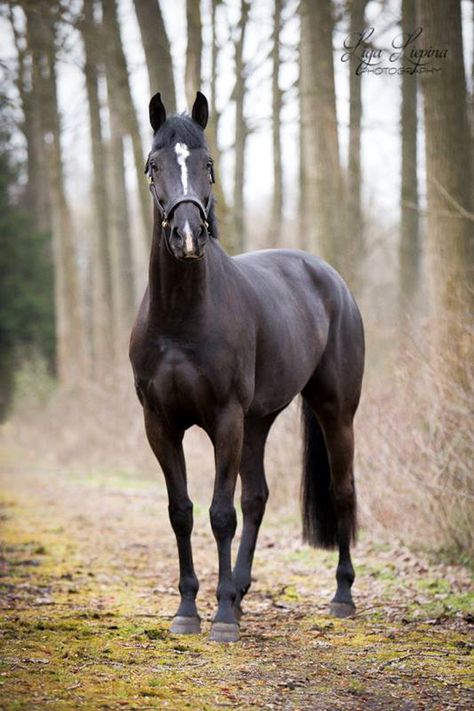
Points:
(89, 587)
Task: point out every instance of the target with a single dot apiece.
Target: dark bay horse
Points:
(226, 343)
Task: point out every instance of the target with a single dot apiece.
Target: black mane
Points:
(181, 128)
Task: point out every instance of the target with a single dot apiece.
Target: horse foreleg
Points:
(167, 447)
(254, 499)
(227, 440)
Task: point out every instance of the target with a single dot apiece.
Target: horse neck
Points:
(178, 291)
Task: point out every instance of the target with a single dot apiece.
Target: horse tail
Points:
(317, 508)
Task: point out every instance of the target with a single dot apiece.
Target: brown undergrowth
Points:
(89, 586)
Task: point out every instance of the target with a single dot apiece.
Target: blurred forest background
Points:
(371, 171)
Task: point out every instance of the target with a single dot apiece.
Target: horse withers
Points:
(226, 343)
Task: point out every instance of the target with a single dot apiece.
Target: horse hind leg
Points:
(332, 482)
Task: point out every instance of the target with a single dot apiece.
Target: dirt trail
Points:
(89, 587)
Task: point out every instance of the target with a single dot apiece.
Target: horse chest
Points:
(180, 385)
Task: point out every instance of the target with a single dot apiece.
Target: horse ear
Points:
(157, 112)
(200, 112)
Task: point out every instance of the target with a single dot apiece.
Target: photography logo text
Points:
(403, 57)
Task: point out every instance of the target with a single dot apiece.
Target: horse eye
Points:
(210, 168)
(153, 166)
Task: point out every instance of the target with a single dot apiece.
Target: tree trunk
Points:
(241, 132)
(222, 209)
(449, 185)
(277, 94)
(123, 281)
(102, 296)
(305, 144)
(70, 351)
(192, 78)
(30, 87)
(322, 177)
(157, 51)
(409, 227)
(118, 81)
(355, 224)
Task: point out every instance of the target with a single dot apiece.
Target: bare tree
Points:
(121, 247)
(42, 21)
(354, 177)
(30, 87)
(277, 100)
(449, 227)
(409, 227)
(320, 169)
(241, 131)
(212, 130)
(119, 88)
(103, 331)
(157, 50)
(192, 76)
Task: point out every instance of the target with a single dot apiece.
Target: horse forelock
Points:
(179, 128)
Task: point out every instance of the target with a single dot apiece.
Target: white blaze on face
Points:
(188, 236)
(182, 153)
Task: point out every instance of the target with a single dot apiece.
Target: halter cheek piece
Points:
(166, 211)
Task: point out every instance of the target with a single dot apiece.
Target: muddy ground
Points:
(89, 586)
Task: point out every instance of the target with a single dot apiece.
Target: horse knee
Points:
(181, 517)
(253, 507)
(223, 520)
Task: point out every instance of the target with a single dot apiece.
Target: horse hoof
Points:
(238, 612)
(224, 632)
(342, 609)
(185, 625)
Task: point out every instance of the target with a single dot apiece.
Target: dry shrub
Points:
(416, 447)
(413, 443)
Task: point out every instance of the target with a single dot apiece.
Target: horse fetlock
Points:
(345, 574)
(242, 581)
(226, 592)
(188, 586)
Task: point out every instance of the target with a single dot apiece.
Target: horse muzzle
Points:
(187, 243)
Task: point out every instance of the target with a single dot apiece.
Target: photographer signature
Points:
(382, 61)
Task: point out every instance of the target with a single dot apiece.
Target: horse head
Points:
(181, 174)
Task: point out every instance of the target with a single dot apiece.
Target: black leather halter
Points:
(166, 211)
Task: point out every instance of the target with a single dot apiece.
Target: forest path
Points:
(90, 584)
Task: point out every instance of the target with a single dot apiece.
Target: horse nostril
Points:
(178, 236)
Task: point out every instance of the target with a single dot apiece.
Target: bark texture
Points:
(70, 350)
(222, 208)
(277, 100)
(157, 51)
(321, 170)
(241, 132)
(192, 78)
(450, 224)
(355, 224)
(31, 88)
(103, 331)
(409, 226)
(119, 84)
